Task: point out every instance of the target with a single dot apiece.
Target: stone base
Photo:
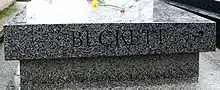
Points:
(99, 72)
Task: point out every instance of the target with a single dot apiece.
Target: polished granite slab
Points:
(173, 31)
(178, 68)
(92, 40)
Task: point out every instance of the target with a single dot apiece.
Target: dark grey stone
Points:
(179, 64)
(107, 39)
(100, 72)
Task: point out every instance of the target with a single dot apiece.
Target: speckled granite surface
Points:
(91, 40)
(124, 71)
(110, 72)
(195, 34)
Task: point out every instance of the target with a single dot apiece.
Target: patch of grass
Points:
(7, 11)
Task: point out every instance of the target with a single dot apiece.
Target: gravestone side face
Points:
(101, 72)
(107, 48)
(108, 39)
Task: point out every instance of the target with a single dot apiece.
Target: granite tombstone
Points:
(103, 51)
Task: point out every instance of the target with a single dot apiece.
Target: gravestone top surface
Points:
(162, 12)
(81, 11)
(171, 32)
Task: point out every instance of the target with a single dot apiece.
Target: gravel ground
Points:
(8, 68)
